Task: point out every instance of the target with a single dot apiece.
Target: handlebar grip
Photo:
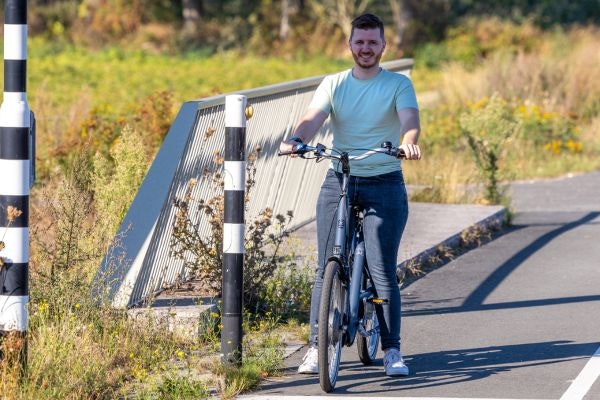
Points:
(299, 149)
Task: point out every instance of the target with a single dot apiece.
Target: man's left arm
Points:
(411, 128)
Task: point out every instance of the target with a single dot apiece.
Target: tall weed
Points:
(115, 180)
(487, 127)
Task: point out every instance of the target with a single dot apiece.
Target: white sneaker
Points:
(310, 362)
(394, 364)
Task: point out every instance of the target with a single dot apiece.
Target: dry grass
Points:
(444, 177)
(554, 90)
(561, 75)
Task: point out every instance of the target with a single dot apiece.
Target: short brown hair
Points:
(367, 21)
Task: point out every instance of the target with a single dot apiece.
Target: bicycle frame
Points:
(349, 234)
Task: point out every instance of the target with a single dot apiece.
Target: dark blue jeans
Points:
(384, 203)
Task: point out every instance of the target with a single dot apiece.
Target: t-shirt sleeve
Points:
(322, 98)
(406, 96)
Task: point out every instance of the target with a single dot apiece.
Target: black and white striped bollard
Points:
(15, 151)
(233, 229)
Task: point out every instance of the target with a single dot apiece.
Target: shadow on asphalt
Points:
(475, 301)
(500, 306)
(454, 366)
(440, 368)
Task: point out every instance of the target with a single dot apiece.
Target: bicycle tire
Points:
(367, 346)
(331, 320)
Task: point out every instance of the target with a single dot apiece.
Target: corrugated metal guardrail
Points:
(141, 265)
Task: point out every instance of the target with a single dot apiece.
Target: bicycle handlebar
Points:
(320, 151)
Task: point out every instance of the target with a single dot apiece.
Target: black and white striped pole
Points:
(233, 229)
(16, 148)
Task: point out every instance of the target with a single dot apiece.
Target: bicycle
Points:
(348, 296)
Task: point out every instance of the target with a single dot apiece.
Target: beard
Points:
(371, 61)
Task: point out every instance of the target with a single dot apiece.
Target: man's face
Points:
(367, 47)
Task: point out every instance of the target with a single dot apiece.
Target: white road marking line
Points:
(586, 378)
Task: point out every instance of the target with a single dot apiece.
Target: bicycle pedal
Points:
(378, 301)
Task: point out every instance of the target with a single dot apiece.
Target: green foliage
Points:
(431, 55)
(263, 357)
(442, 127)
(61, 232)
(487, 127)
(116, 180)
(287, 293)
(548, 130)
(180, 387)
(475, 39)
(52, 19)
(153, 117)
(543, 12)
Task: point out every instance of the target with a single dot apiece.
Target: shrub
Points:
(287, 292)
(203, 255)
(62, 231)
(487, 127)
(548, 130)
(475, 39)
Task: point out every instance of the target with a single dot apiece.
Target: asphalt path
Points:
(517, 318)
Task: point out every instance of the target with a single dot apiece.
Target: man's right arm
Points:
(306, 129)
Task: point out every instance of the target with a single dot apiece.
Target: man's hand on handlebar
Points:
(411, 151)
(289, 146)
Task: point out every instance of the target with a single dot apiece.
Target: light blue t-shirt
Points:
(363, 114)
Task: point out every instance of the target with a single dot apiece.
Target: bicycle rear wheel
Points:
(367, 345)
(331, 326)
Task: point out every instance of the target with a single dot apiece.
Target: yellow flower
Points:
(43, 307)
(479, 104)
(554, 146)
(547, 115)
(574, 146)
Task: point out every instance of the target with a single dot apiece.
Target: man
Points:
(367, 105)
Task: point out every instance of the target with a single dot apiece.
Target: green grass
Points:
(114, 79)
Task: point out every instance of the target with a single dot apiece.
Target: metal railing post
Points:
(15, 153)
(233, 229)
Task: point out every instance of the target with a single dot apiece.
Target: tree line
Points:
(265, 25)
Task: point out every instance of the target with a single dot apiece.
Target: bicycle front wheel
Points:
(331, 326)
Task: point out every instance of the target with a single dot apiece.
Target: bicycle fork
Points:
(355, 291)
